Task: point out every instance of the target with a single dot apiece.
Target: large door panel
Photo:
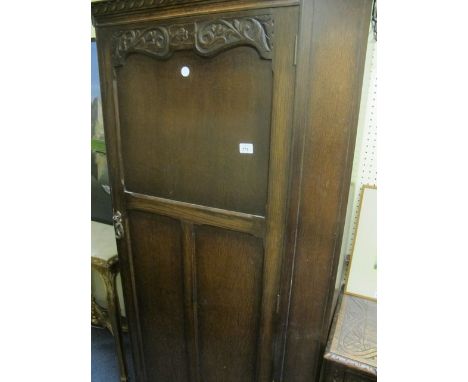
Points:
(181, 135)
(158, 264)
(202, 221)
(229, 285)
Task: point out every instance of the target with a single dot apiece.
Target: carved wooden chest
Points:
(351, 353)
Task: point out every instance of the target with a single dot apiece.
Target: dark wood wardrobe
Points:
(230, 130)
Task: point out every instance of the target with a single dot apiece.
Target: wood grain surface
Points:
(228, 259)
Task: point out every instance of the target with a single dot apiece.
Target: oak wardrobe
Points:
(230, 130)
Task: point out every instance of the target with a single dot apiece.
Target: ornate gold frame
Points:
(110, 318)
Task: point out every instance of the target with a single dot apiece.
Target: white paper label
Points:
(246, 148)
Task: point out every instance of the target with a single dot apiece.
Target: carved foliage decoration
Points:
(157, 41)
(214, 36)
(206, 38)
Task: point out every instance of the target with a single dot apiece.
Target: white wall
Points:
(365, 155)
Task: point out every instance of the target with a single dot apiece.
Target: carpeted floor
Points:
(104, 366)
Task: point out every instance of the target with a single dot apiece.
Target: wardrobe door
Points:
(198, 114)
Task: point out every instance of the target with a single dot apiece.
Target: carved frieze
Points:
(214, 36)
(205, 38)
(117, 6)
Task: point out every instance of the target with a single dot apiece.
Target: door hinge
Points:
(295, 51)
(118, 226)
(277, 303)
